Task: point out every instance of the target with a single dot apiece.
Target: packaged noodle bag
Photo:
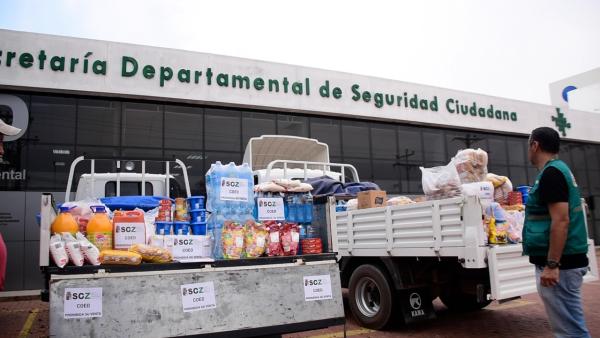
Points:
(255, 240)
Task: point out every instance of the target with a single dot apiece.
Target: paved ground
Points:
(519, 318)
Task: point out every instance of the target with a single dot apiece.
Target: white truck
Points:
(242, 298)
(395, 260)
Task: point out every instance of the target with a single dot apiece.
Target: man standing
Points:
(7, 130)
(555, 237)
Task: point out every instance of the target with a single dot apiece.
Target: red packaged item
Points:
(273, 241)
(290, 239)
(311, 246)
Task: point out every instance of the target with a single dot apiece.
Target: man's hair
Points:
(547, 138)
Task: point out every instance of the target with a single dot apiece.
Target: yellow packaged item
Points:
(152, 254)
(120, 257)
(232, 239)
(255, 239)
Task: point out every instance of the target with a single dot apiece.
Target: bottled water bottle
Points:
(308, 207)
(215, 179)
(210, 195)
(218, 221)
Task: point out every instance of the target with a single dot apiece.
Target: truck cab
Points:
(292, 157)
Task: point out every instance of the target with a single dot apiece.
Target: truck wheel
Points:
(371, 297)
(457, 301)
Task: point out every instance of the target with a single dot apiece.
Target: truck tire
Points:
(371, 297)
(463, 302)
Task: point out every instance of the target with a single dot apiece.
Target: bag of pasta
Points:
(152, 254)
(255, 240)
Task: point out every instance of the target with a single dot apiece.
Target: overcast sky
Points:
(510, 49)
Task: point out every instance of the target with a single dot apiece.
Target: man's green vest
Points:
(536, 232)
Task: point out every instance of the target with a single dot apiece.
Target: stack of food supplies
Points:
(502, 187)
(252, 239)
(65, 248)
(467, 174)
(286, 207)
(104, 237)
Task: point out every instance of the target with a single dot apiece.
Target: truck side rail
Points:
(440, 228)
(324, 165)
(80, 159)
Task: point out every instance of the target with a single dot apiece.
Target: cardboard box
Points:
(371, 199)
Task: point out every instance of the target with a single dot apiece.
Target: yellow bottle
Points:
(100, 229)
(64, 222)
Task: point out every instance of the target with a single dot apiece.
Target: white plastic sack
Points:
(400, 200)
(441, 182)
(73, 249)
(352, 204)
(471, 165)
(269, 187)
(303, 187)
(287, 183)
(89, 250)
(58, 251)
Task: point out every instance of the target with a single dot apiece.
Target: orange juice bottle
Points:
(100, 228)
(64, 222)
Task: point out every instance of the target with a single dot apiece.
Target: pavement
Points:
(525, 317)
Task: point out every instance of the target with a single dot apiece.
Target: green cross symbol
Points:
(561, 122)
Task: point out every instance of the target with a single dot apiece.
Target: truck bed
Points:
(441, 228)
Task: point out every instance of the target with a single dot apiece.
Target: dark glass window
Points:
(256, 124)
(98, 122)
(142, 125)
(327, 131)
(292, 125)
(142, 154)
(222, 130)
(363, 166)
(52, 119)
(194, 160)
(518, 176)
(388, 175)
(497, 152)
(592, 157)
(410, 146)
(434, 146)
(517, 151)
(355, 137)
(383, 141)
(48, 167)
(183, 127)
(225, 157)
(463, 140)
(127, 189)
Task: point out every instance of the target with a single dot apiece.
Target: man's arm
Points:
(559, 212)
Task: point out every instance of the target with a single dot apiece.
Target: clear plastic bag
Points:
(441, 182)
(471, 165)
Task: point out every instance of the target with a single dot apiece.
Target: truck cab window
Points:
(127, 189)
